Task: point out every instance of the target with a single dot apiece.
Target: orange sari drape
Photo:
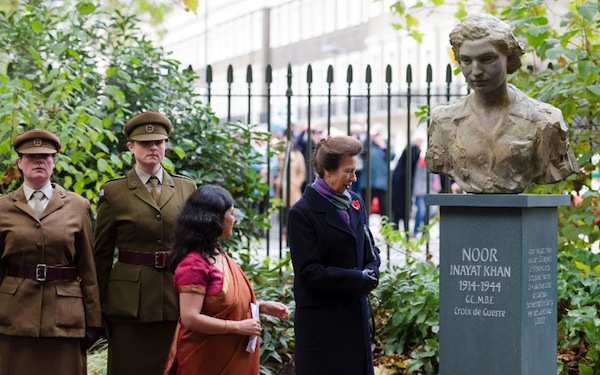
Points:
(196, 353)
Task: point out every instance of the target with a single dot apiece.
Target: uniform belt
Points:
(157, 259)
(43, 272)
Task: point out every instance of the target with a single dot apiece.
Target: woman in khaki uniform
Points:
(138, 298)
(49, 304)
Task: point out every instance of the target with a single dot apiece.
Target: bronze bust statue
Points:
(496, 139)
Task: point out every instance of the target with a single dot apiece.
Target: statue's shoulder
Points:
(449, 110)
(533, 109)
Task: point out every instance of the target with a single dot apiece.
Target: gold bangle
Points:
(226, 326)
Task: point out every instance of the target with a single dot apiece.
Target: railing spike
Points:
(330, 74)
(249, 74)
(230, 74)
(388, 74)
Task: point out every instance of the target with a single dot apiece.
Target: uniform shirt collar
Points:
(144, 177)
(47, 190)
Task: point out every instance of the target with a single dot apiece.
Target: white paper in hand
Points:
(251, 347)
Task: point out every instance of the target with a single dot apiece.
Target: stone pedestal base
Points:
(498, 283)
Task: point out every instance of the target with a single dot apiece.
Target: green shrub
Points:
(273, 281)
(407, 307)
(579, 312)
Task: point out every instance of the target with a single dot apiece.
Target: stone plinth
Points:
(498, 259)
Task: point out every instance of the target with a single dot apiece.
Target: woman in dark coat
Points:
(335, 264)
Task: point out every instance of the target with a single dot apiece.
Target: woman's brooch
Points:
(356, 204)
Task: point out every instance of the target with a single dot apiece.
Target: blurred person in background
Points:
(301, 140)
(400, 201)
(379, 167)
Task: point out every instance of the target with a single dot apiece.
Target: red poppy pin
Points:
(356, 204)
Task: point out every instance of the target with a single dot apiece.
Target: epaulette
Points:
(115, 179)
(182, 176)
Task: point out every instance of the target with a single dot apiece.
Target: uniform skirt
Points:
(41, 355)
(139, 348)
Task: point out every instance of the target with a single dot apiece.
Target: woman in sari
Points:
(215, 296)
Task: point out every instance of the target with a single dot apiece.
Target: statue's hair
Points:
(480, 26)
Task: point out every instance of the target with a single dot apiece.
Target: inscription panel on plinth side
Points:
(539, 294)
(541, 285)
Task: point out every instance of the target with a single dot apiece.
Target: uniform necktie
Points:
(38, 207)
(154, 188)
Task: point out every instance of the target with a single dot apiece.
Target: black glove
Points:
(369, 280)
(92, 334)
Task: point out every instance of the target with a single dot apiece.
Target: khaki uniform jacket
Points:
(129, 219)
(62, 236)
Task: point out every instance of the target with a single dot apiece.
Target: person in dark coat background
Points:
(399, 201)
(336, 265)
(379, 166)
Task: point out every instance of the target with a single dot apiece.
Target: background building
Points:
(319, 33)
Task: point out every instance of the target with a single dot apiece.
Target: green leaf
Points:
(74, 53)
(36, 27)
(538, 30)
(595, 89)
(460, 13)
(554, 53)
(588, 10)
(398, 7)
(102, 165)
(27, 84)
(411, 21)
(115, 93)
(180, 152)
(60, 48)
(583, 267)
(86, 8)
(134, 87)
(586, 68)
(585, 370)
(110, 71)
(416, 35)
(191, 5)
(34, 53)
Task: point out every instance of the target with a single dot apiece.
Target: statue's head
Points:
(497, 32)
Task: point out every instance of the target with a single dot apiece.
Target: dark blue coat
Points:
(331, 321)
